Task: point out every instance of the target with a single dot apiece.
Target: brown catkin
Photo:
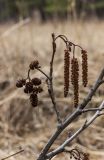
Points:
(84, 68)
(75, 79)
(66, 72)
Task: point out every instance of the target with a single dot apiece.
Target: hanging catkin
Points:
(66, 72)
(75, 79)
(84, 68)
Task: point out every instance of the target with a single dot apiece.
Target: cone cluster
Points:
(31, 86)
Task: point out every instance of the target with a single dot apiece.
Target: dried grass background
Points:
(22, 126)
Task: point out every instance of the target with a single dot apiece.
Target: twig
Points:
(43, 73)
(91, 109)
(13, 154)
(50, 84)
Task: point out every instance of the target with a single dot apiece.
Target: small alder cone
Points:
(75, 79)
(40, 89)
(34, 64)
(37, 89)
(34, 99)
(66, 72)
(84, 68)
(20, 83)
(28, 87)
(36, 81)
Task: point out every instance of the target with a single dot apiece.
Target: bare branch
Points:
(91, 109)
(13, 154)
(53, 102)
(72, 117)
(50, 84)
(85, 125)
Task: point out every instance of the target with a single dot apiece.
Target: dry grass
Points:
(24, 126)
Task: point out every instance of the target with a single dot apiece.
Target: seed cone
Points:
(84, 68)
(34, 64)
(37, 89)
(20, 83)
(75, 79)
(66, 72)
(36, 81)
(28, 87)
(34, 99)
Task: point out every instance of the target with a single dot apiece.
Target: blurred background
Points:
(25, 34)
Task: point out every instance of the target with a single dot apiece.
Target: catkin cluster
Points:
(71, 63)
(31, 86)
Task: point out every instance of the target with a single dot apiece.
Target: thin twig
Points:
(13, 154)
(50, 84)
(91, 109)
(43, 73)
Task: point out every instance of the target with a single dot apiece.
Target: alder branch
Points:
(72, 117)
(92, 109)
(50, 82)
(13, 154)
(81, 129)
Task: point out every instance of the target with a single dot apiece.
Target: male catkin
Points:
(66, 72)
(84, 68)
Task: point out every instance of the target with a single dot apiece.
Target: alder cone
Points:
(38, 89)
(28, 87)
(66, 72)
(36, 81)
(34, 64)
(20, 83)
(34, 99)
